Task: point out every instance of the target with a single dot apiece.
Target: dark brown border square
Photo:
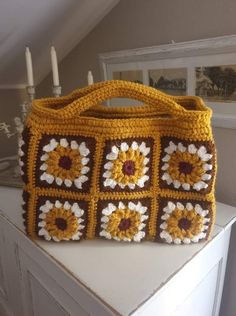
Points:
(104, 203)
(107, 149)
(41, 200)
(210, 149)
(45, 139)
(163, 202)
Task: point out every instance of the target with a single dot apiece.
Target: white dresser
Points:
(101, 278)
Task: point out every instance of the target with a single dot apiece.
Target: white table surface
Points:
(110, 269)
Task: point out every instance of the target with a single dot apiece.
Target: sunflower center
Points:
(124, 224)
(65, 162)
(184, 223)
(185, 167)
(129, 167)
(61, 223)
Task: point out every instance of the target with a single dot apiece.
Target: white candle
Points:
(90, 77)
(29, 67)
(55, 73)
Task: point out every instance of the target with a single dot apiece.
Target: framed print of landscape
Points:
(216, 83)
(171, 81)
(205, 68)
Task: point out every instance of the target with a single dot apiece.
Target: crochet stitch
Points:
(124, 173)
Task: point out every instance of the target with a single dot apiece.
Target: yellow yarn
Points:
(163, 119)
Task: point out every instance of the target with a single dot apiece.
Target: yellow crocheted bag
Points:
(125, 173)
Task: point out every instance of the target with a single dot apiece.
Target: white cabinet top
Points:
(123, 276)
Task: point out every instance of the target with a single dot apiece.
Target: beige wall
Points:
(139, 23)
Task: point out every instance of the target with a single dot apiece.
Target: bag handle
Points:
(125, 89)
(81, 100)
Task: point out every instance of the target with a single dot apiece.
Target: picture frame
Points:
(187, 68)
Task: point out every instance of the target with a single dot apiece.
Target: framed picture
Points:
(216, 83)
(206, 68)
(170, 80)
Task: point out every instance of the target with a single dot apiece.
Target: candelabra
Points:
(16, 129)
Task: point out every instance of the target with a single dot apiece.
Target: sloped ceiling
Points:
(40, 24)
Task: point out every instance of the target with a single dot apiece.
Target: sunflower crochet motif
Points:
(65, 162)
(60, 221)
(184, 223)
(186, 167)
(126, 166)
(124, 223)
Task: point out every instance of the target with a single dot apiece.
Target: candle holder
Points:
(56, 90)
(31, 92)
